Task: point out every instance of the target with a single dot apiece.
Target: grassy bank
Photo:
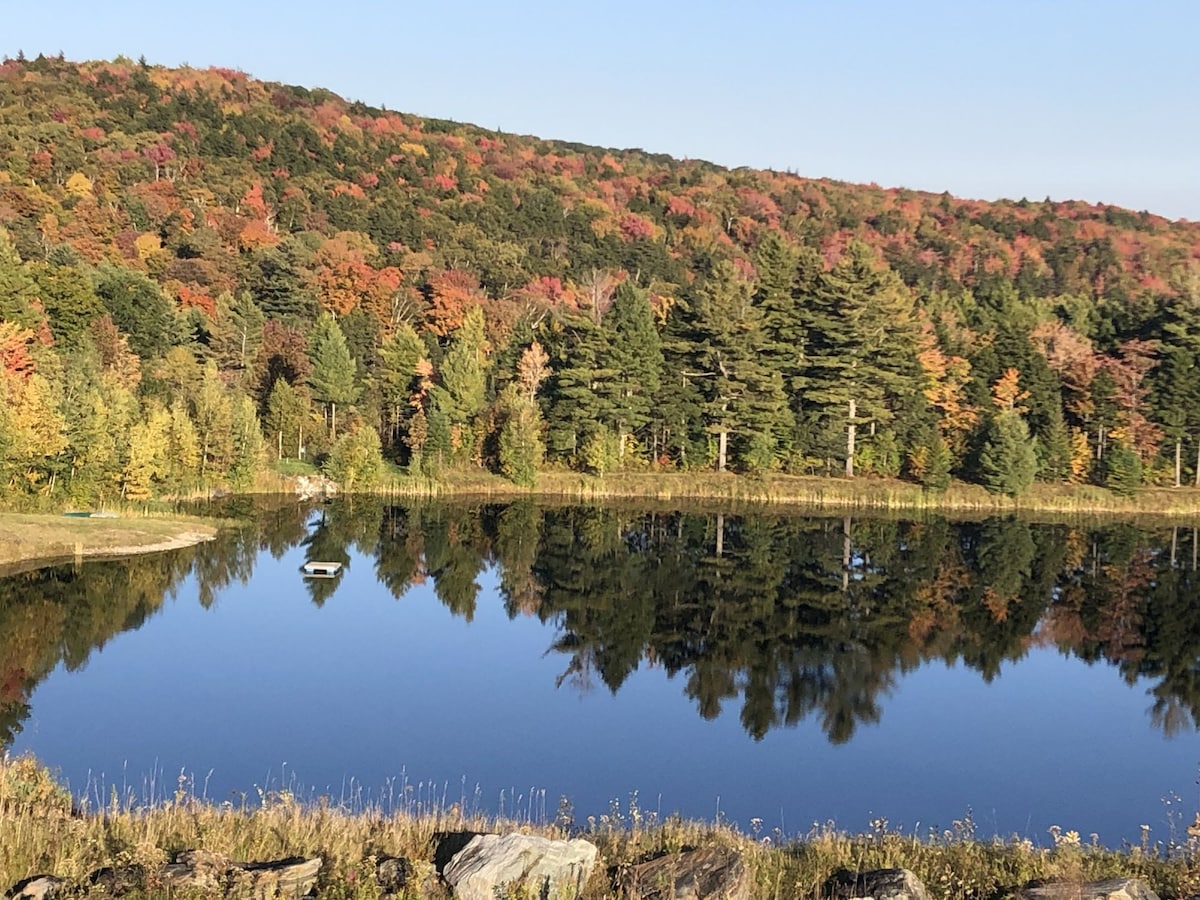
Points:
(31, 537)
(42, 833)
(807, 492)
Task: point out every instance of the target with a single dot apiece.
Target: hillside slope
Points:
(176, 220)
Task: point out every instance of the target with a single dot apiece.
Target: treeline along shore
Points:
(205, 278)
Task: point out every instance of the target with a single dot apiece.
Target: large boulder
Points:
(549, 868)
(1109, 889)
(717, 872)
(875, 884)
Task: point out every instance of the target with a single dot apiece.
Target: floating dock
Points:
(313, 569)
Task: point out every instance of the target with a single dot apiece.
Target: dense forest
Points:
(202, 274)
(776, 619)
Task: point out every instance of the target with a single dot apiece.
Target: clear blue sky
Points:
(1070, 99)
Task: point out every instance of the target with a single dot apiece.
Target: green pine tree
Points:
(1121, 469)
(1007, 462)
(333, 368)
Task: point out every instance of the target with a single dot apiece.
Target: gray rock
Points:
(875, 884)
(202, 870)
(1109, 889)
(209, 872)
(39, 887)
(293, 877)
(692, 875)
(392, 874)
(551, 869)
(119, 881)
(448, 844)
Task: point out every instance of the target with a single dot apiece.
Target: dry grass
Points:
(43, 833)
(30, 537)
(807, 493)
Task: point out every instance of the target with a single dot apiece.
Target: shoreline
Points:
(34, 540)
(801, 492)
(49, 833)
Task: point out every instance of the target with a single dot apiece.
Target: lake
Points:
(772, 671)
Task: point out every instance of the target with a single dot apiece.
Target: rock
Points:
(691, 875)
(403, 877)
(392, 874)
(1109, 889)
(292, 877)
(447, 844)
(311, 487)
(39, 887)
(876, 884)
(549, 869)
(116, 882)
(199, 869)
(204, 871)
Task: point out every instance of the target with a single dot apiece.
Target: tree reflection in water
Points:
(786, 616)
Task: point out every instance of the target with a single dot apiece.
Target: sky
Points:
(1091, 100)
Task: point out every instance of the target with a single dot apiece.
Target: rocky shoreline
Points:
(485, 866)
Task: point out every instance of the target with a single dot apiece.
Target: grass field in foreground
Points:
(45, 830)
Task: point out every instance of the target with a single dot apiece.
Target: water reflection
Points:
(781, 618)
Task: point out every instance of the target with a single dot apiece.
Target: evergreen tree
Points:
(861, 353)
(138, 308)
(70, 301)
(521, 447)
(332, 376)
(1054, 449)
(741, 396)
(1007, 462)
(635, 359)
(462, 388)
(237, 331)
(18, 291)
(578, 401)
(398, 380)
(1175, 383)
(787, 280)
(1121, 469)
(937, 465)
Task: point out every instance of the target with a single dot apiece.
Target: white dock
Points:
(314, 569)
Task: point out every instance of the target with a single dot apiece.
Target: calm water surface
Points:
(793, 670)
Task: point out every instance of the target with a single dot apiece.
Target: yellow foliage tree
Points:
(1081, 457)
(79, 185)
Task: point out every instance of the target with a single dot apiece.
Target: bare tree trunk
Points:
(1178, 460)
(280, 453)
(850, 428)
(332, 422)
(722, 447)
(846, 551)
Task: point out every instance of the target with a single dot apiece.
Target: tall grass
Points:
(43, 829)
(807, 492)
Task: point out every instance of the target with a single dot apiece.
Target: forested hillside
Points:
(201, 273)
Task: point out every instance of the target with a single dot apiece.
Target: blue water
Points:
(374, 698)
